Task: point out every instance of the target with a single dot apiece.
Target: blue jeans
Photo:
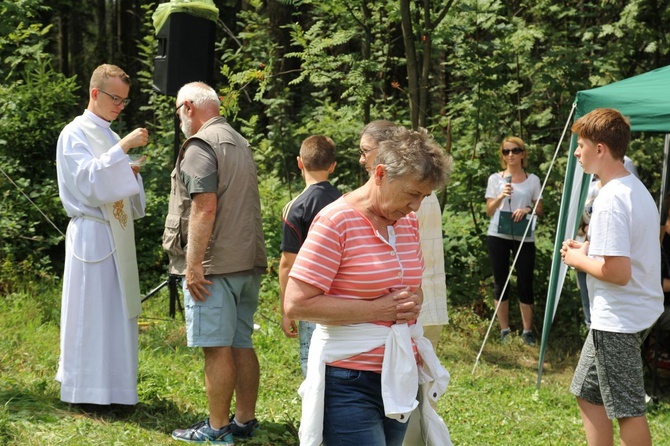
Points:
(305, 330)
(354, 411)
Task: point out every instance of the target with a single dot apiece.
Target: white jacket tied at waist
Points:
(401, 377)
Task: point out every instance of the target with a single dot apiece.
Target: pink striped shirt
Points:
(345, 257)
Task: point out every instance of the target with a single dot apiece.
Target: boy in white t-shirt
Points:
(622, 261)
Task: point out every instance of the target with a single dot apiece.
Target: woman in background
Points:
(514, 191)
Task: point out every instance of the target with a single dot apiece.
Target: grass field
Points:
(497, 405)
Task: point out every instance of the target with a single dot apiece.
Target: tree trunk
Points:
(63, 56)
(427, 43)
(102, 35)
(412, 62)
(129, 33)
(366, 53)
(76, 39)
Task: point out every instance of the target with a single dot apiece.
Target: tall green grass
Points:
(497, 405)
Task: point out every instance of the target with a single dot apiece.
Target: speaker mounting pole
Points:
(185, 54)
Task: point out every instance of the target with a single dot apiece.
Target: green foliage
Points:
(29, 43)
(33, 110)
(346, 55)
(14, 15)
(514, 69)
(462, 261)
(34, 105)
(29, 273)
(318, 63)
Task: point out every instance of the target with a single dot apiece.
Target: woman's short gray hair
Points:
(378, 130)
(414, 153)
(199, 93)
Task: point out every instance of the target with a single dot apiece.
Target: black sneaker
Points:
(528, 338)
(202, 433)
(246, 431)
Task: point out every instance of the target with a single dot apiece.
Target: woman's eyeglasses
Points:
(364, 152)
(516, 151)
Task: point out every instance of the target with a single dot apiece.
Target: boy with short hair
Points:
(316, 162)
(622, 261)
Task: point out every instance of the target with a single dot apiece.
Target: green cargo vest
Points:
(237, 244)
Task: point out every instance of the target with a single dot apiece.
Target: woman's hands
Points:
(521, 213)
(506, 192)
(305, 302)
(494, 203)
(406, 305)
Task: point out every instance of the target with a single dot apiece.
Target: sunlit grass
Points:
(497, 405)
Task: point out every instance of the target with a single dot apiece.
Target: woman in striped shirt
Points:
(358, 276)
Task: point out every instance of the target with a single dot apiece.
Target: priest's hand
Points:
(196, 284)
(137, 138)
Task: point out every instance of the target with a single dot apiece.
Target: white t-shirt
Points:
(625, 223)
(523, 194)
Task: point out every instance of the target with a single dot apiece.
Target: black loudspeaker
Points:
(185, 52)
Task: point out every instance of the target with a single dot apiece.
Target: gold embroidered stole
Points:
(119, 215)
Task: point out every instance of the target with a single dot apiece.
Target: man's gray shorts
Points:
(610, 373)
(226, 318)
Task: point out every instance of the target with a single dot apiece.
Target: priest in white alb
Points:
(102, 194)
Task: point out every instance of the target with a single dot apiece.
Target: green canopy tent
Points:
(645, 100)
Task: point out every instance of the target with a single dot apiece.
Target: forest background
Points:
(471, 71)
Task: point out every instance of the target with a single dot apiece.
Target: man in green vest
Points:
(214, 238)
